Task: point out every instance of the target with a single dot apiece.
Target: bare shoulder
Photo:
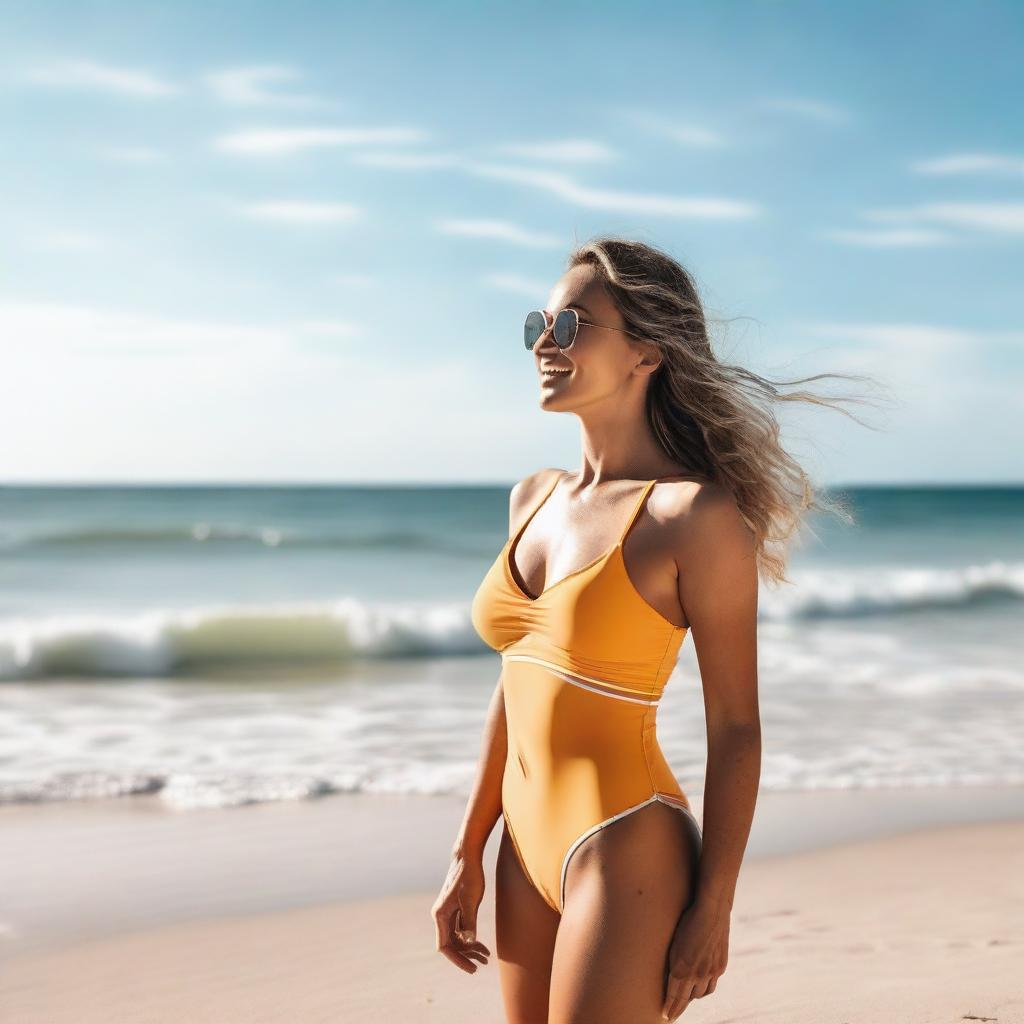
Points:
(526, 491)
(702, 516)
(716, 556)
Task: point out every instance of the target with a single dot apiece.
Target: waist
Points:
(604, 685)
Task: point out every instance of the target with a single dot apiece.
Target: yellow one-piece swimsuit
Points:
(584, 665)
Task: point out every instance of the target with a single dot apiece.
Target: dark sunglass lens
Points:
(533, 328)
(565, 328)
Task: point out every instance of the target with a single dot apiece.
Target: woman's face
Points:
(600, 363)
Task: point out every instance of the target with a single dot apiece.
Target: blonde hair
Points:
(713, 417)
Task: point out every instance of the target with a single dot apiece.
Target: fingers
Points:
(704, 988)
(465, 936)
(451, 941)
(460, 961)
(476, 951)
(682, 991)
(464, 955)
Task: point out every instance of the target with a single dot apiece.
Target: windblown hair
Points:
(715, 418)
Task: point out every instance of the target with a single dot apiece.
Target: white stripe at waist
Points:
(578, 679)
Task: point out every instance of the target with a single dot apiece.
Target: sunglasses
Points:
(563, 330)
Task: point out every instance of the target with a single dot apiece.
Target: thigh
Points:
(626, 887)
(525, 929)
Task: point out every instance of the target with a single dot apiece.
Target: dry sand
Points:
(926, 926)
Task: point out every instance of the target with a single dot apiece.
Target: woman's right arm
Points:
(455, 909)
(484, 806)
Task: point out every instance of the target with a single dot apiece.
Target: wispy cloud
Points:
(617, 201)
(924, 358)
(260, 85)
(94, 77)
(920, 339)
(805, 107)
(301, 212)
(971, 163)
(919, 367)
(288, 141)
(88, 329)
(499, 231)
(518, 284)
(565, 187)
(403, 161)
(895, 238)
(563, 151)
(683, 132)
(1002, 218)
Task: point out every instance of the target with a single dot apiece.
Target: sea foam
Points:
(165, 642)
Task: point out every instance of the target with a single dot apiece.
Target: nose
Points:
(548, 333)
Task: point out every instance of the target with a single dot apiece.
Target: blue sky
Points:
(297, 242)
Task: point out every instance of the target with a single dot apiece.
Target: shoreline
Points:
(78, 872)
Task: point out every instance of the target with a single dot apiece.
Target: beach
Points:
(358, 421)
(240, 725)
(869, 905)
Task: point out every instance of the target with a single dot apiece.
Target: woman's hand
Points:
(455, 911)
(697, 955)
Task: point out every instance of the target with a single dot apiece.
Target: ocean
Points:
(223, 646)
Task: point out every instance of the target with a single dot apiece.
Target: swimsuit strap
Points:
(629, 523)
(636, 509)
(536, 508)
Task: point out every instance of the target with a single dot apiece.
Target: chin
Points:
(554, 403)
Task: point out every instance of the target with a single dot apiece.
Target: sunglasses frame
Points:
(550, 326)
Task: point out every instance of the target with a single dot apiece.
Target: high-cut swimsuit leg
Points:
(584, 665)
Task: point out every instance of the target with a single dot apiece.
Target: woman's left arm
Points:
(718, 586)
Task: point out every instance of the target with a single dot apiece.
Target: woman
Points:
(611, 905)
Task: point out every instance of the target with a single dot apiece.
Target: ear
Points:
(650, 360)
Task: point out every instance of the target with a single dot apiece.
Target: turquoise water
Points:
(236, 644)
